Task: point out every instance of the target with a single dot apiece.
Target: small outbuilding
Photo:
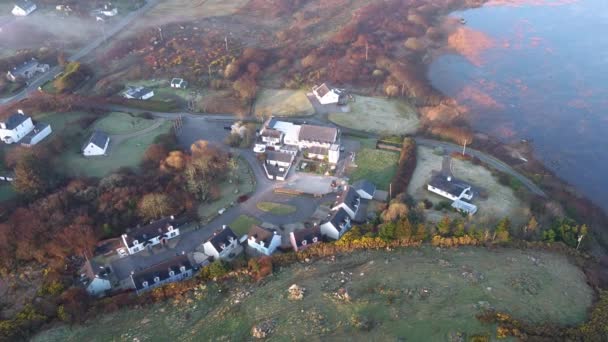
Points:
(365, 189)
(326, 95)
(97, 145)
(138, 93)
(179, 83)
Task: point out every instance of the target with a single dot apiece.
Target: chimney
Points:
(20, 111)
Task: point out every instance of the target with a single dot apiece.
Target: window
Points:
(144, 284)
(182, 269)
(171, 273)
(314, 240)
(304, 242)
(156, 279)
(135, 242)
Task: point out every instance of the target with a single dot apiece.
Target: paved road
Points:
(495, 163)
(111, 29)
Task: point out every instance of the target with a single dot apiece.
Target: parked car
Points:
(259, 148)
(221, 211)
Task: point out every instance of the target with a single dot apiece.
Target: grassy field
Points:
(64, 123)
(379, 115)
(230, 191)
(6, 191)
(184, 10)
(437, 297)
(127, 154)
(242, 224)
(377, 166)
(276, 208)
(283, 102)
(501, 201)
(121, 123)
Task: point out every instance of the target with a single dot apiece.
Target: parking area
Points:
(315, 185)
(193, 129)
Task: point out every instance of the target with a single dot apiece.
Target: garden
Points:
(377, 166)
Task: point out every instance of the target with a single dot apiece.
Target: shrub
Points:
(407, 165)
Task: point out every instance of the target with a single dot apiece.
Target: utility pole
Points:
(464, 147)
(390, 191)
(580, 238)
(366, 50)
(226, 41)
(160, 31)
(209, 68)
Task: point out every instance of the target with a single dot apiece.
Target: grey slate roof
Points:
(307, 234)
(15, 120)
(222, 237)
(279, 156)
(138, 92)
(453, 186)
(24, 4)
(350, 197)
(38, 127)
(161, 271)
(261, 234)
(365, 185)
(98, 138)
(321, 134)
(338, 218)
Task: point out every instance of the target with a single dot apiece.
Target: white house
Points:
(454, 190)
(26, 70)
(263, 240)
(365, 189)
(222, 245)
(337, 224)
(97, 145)
(96, 278)
(303, 238)
(175, 269)
(179, 83)
(325, 95)
(139, 238)
(138, 93)
(15, 127)
(278, 164)
(23, 8)
(349, 200)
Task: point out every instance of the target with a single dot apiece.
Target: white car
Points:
(259, 149)
(221, 211)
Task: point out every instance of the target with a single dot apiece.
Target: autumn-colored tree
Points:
(176, 160)
(31, 176)
(75, 303)
(391, 90)
(395, 211)
(154, 206)
(232, 70)
(154, 154)
(443, 227)
(246, 87)
(501, 233)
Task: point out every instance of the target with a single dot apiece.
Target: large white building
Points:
(20, 128)
(326, 95)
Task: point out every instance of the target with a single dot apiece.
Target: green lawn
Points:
(283, 102)
(127, 154)
(121, 123)
(6, 191)
(242, 224)
(377, 166)
(64, 123)
(230, 192)
(276, 208)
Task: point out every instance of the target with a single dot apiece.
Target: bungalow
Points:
(349, 200)
(137, 239)
(41, 130)
(138, 93)
(23, 8)
(222, 245)
(304, 238)
(175, 269)
(453, 189)
(97, 145)
(26, 70)
(95, 278)
(325, 95)
(18, 126)
(337, 224)
(263, 240)
(365, 189)
(179, 83)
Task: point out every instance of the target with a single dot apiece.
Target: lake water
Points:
(544, 77)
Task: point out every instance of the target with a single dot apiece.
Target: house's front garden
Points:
(315, 166)
(241, 225)
(276, 208)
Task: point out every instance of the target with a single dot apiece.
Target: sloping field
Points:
(422, 294)
(283, 102)
(168, 11)
(122, 123)
(379, 115)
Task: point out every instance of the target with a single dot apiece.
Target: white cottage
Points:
(138, 93)
(97, 145)
(336, 225)
(326, 95)
(96, 278)
(23, 8)
(140, 238)
(263, 240)
(222, 245)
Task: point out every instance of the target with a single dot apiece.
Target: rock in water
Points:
(296, 292)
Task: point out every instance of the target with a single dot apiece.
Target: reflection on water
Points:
(544, 78)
